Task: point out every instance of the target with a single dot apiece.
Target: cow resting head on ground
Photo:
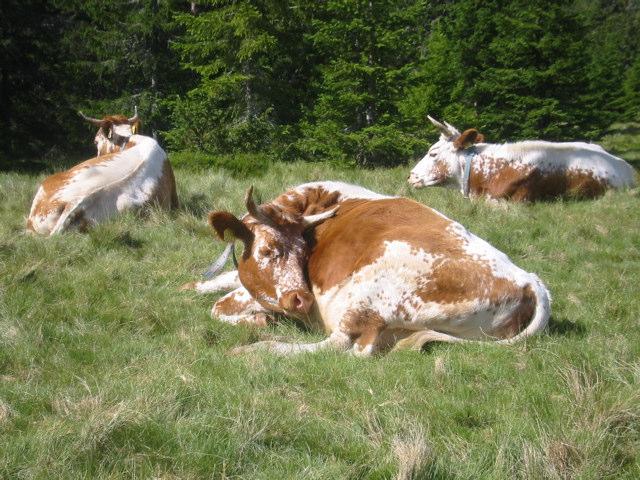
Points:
(274, 247)
(521, 171)
(377, 274)
(114, 131)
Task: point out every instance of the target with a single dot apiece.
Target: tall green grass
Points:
(107, 371)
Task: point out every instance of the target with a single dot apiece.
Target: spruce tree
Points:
(366, 54)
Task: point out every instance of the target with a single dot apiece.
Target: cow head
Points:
(113, 131)
(442, 163)
(273, 264)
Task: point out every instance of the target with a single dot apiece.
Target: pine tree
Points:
(517, 70)
(366, 53)
(247, 55)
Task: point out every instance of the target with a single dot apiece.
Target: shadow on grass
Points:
(115, 240)
(196, 204)
(566, 328)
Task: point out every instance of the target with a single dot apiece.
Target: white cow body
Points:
(97, 189)
(527, 170)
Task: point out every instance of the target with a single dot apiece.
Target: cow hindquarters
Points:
(541, 313)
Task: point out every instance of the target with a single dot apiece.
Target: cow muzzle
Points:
(414, 181)
(297, 302)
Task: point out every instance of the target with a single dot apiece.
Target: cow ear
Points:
(229, 228)
(468, 138)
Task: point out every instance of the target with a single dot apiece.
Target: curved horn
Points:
(95, 121)
(445, 129)
(453, 131)
(135, 118)
(309, 221)
(255, 211)
(219, 263)
(437, 124)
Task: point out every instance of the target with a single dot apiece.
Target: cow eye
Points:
(432, 154)
(270, 253)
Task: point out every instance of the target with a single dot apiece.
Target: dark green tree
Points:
(366, 53)
(249, 59)
(516, 69)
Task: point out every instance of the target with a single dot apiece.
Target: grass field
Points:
(107, 371)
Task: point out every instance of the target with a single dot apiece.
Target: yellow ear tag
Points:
(228, 236)
(134, 129)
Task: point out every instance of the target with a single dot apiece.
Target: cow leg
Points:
(336, 341)
(222, 283)
(419, 339)
(240, 307)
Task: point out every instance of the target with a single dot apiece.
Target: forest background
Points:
(243, 83)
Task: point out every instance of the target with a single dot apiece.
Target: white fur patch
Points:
(347, 191)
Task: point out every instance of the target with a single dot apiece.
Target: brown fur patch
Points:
(54, 183)
(522, 315)
(363, 326)
(222, 221)
(525, 183)
(231, 305)
(455, 279)
(338, 252)
(165, 192)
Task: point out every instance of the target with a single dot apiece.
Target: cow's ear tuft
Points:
(468, 138)
(228, 228)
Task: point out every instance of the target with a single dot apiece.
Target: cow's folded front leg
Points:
(336, 341)
(224, 282)
(240, 307)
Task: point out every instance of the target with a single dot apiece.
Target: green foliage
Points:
(241, 165)
(367, 51)
(631, 88)
(243, 54)
(344, 81)
(513, 69)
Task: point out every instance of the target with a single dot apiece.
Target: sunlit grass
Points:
(107, 371)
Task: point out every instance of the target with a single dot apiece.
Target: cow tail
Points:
(72, 215)
(540, 316)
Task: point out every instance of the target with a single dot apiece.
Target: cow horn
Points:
(453, 131)
(220, 262)
(95, 121)
(135, 118)
(445, 129)
(309, 221)
(255, 211)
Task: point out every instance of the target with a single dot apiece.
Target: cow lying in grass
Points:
(375, 274)
(521, 171)
(129, 172)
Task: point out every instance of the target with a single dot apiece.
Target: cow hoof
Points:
(252, 347)
(188, 286)
(257, 320)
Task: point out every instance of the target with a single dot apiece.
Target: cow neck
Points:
(468, 155)
(120, 141)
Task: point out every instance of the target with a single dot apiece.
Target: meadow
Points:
(108, 371)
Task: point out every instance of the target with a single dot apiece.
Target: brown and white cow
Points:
(375, 274)
(521, 171)
(130, 171)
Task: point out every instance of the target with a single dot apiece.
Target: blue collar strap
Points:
(467, 171)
